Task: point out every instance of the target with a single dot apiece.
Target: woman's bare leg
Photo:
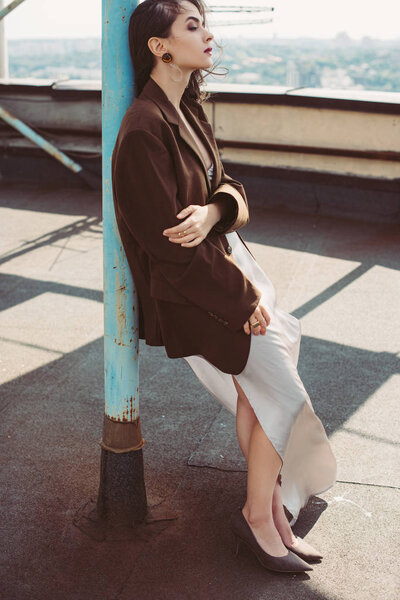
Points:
(246, 420)
(260, 482)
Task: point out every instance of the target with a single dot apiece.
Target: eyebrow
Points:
(194, 18)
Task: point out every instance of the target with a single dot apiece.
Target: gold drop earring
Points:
(167, 58)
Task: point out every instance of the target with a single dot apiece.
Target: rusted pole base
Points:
(122, 498)
(122, 493)
(120, 511)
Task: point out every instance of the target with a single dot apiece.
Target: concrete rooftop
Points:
(340, 277)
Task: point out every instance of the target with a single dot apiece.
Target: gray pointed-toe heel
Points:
(301, 547)
(304, 550)
(289, 563)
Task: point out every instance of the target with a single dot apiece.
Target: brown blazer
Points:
(191, 300)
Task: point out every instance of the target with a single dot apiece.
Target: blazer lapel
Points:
(153, 91)
(204, 132)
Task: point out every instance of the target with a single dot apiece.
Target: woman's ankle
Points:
(259, 518)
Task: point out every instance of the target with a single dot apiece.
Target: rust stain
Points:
(120, 308)
(135, 414)
(129, 414)
(119, 343)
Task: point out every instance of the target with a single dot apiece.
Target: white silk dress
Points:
(272, 384)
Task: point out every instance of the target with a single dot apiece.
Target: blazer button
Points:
(229, 249)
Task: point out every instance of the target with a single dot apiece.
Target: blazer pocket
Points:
(162, 290)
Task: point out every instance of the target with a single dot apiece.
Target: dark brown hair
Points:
(154, 18)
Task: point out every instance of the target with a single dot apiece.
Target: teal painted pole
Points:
(39, 140)
(28, 132)
(122, 495)
(7, 9)
(120, 330)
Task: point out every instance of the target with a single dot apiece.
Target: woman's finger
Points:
(178, 239)
(248, 325)
(195, 242)
(263, 324)
(266, 314)
(175, 231)
(252, 321)
(186, 211)
(260, 315)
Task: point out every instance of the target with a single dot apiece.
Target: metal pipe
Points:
(28, 132)
(7, 9)
(39, 140)
(121, 330)
(122, 494)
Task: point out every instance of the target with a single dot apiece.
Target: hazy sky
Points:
(292, 18)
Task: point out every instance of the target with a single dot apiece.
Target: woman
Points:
(201, 292)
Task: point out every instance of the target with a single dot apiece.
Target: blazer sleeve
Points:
(236, 205)
(237, 209)
(146, 197)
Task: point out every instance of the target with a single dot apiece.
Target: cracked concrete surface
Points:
(340, 277)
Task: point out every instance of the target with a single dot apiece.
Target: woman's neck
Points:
(173, 90)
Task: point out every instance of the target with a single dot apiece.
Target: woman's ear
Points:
(156, 46)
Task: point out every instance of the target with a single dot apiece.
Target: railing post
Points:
(122, 494)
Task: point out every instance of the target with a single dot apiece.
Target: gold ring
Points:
(256, 324)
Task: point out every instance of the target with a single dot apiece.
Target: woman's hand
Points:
(198, 223)
(261, 315)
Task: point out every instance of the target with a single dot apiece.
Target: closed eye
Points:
(197, 21)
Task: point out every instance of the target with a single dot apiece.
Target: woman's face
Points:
(189, 39)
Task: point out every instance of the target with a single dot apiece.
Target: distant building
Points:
(292, 74)
(337, 78)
